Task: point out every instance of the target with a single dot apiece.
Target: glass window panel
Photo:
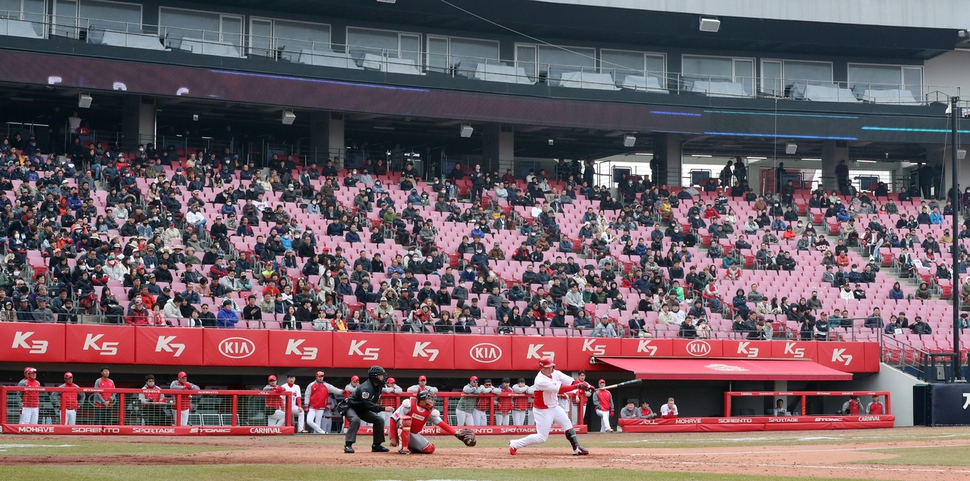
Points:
(34, 10)
(122, 17)
(555, 61)
(744, 74)
(771, 77)
(261, 37)
(811, 71)
(371, 41)
(232, 30)
(875, 76)
(65, 17)
(913, 80)
(438, 54)
(410, 48)
(657, 67)
(525, 58)
(296, 36)
(176, 23)
(10, 8)
(620, 64)
(471, 52)
(721, 68)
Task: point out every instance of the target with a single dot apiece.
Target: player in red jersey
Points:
(412, 416)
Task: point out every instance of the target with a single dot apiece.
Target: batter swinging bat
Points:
(624, 383)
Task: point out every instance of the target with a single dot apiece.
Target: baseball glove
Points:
(466, 436)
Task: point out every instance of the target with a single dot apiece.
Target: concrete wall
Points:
(899, 384)
(902, 13)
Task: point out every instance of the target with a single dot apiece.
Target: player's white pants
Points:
(545, 418)
(70, 417)
(29, 415)
(464, 419)
(184, 417)
(502, 419)
(605, 416)
(518, 418)
(480, 417)
(300, 416)
(278, 418)
(313, 420)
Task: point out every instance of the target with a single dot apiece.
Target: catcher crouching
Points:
(410, 419)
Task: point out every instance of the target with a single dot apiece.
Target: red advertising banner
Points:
(235, 347)
(526, 352)
(844, 356)
(582, 348)
(872, 357)
(646, 347)
(168, 346)
(312, 349)
(746, 349)
(697, 348)
(32, 343)
(424, 351)
(94, 344)
(493, 353)
(794, 349)
(362, 350)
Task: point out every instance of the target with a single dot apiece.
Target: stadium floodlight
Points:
(710, 24)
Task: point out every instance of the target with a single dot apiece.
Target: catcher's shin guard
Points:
(573, 439)
(428, 449)
(405, 432)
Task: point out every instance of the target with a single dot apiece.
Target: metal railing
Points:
(606, 76)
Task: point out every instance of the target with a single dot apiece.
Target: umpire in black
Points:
(364, 404)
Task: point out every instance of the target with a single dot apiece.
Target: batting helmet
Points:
(546, 361)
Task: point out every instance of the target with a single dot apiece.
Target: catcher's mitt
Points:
(466, 436)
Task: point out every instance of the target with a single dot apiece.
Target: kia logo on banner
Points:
(237, 347)
(698, 348)
(485, 352)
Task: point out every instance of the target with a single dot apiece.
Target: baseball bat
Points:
(624, 383)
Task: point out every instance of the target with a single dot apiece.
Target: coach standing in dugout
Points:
(363, 405)
(186, 399)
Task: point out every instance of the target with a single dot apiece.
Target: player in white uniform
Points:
(546, 409)
(296, 402)
(390, 388)
(520, 404)
(316, 399)
(422, 385)
(183, 383)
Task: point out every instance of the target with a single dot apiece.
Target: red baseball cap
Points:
(182, 374)
(546, 361)
(602, 381)
(355, 378)
(272, 377)
(319, 373)
(68, 375)
(473, 379)
(422, 378)
(390, 380)
(29, 370)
